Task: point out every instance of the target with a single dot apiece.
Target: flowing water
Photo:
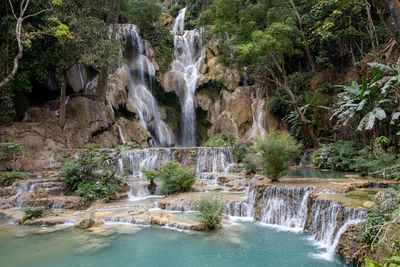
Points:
(244, 244)
(140, 82)
(188, 57)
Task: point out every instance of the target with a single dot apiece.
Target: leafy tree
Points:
(20, 16)
(210, 210)
(276, 151)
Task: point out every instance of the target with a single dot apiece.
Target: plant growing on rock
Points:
(227, 140)
(210, 210)
(90, 175)
(276, 151)
(175, 179)
(151, 175)
(8, 178)
(32, 213)
(250, 163)
(9, 153)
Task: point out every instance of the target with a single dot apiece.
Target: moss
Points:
(211, 89)
(364, 196)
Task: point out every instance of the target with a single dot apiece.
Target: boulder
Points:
(76, 77)
(117, 92)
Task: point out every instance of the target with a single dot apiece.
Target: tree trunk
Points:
(389, 11)
(371, 31)
(303, 37)
(102, 81)
(11, 75)
(62, 101)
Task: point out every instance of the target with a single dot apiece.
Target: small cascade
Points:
(140, 82)
(258, 118)
(201, 159)
(285, 206)
(330, 221)
(188, 57)
(147, 159)
(210, 159)
(305, 159)
(121, 135)
(138, 191)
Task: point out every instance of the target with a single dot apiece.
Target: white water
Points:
(285, 206)
(188, 57)
(258, 118)
(140, 81)
(206, 159)
(121, 134)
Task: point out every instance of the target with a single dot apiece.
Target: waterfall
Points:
(285, 206)
(326, 227)
(121, 135)
(140, 81)
(138, 191)
(201, 159)
(188, 56)
(258, 118)
(211, 159)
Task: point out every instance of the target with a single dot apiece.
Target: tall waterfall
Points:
(188, 56)
(140, 82)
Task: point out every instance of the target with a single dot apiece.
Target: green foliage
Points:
(227, 140)
(339, 156)
(32, 213)
(371, 225)
(174, 10)
(90, 175)
(175, 179)
(8, 178)
(210, 210)
(371, 100)
(7, 109)
(276, 151)
(9, 153)
(250, 163)
(220, 140)
(150, 175)
(308, 108)
(127, 146)
(373, 162)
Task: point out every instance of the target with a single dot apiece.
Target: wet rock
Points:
(76, 77)
(349, 244)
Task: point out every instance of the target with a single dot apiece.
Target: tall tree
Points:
(389, 11)
(20, 17)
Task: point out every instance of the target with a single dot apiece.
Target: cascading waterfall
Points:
(140, 81)
(188, 57)
(121, 135)
(202, 159)
(285, 206)
(211, 159)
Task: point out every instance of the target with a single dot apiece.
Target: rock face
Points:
(241, 113)
(117, 92)
(76, 77)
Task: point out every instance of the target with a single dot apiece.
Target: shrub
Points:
(7, 179)
(127, 146)
(32, 213)
(227, 140)
(338, 156)
(210, 211)
(9, 152)
(220, 140)
(373, 162)
(175, 179)
(174, 10)
(90, 175)
(276, 152)
(250, 163)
